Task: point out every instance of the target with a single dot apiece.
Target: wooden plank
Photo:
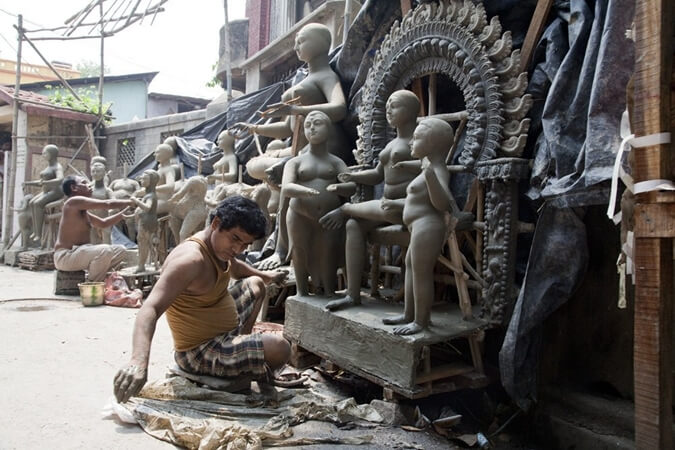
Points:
(534, 32)
(444, 371)
(655, 220)
(653, 257)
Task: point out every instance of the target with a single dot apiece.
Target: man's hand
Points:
(273, 276)
(129, 381)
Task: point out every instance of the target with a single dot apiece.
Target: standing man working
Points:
(72, 250)
(210, 320)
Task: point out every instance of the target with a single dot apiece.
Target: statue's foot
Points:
(271, 262)
(333, 220)
(344, 302)
(410, 328)
(395, 320)
(140, 269)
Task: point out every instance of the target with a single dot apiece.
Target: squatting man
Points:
(210, 318)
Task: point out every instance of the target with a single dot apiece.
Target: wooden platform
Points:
(36, 260)
(356, 340)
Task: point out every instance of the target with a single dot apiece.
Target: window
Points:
(126, 152)
(167, 134)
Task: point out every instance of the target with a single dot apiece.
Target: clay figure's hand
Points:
(345, 177)
(274, 276)
(279, 110)
(388, 205)
(129, 381)
(239, 129)
(331, 188)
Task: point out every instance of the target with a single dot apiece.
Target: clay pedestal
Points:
(356, 340)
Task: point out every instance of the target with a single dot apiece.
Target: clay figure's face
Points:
(162, 153)
(397, 114)
(306, 45)
(419, 144)
(145, 180)
(97, 171)
(316, 129)
(227, 244)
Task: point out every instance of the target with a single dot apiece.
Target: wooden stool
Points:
(65, 283)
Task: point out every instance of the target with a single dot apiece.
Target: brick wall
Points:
(258, 13)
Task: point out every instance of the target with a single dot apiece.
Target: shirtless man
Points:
(73, 250)
(402, 109)
(211, 325)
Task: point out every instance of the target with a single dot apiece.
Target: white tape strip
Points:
(615, 175)
(652, 139)
(653, 185)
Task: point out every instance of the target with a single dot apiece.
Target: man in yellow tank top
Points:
(210, 318)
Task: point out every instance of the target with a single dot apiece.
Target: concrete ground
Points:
(58, 359)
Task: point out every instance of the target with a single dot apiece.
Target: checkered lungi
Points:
(229, 354)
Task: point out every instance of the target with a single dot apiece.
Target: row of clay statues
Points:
(316, 227)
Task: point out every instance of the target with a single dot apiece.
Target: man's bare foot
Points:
(410, 328)
(395, 320)
(342, 303)
(333, 220)
(271, 262)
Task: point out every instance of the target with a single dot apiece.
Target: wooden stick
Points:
(534, 32)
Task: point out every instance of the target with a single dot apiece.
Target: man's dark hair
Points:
(238, 211)
(67, 185)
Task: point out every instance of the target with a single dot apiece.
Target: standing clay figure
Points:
(425, 212)
(256, 168)
(123, 189)
(50, 182)
(100, 192)
(189, 211)
(169, 174)
(25, 219)
(319, 91)
(146, 217)
(225, 170)
(402, 109)
(305, 180)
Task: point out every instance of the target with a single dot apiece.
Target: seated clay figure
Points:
(123, 189)
(319, 91)
(146, 217)
(101, 192)
(50, 182)
(426, 212)
(189, 211)
(225, 170)
(306, 177)
(402, 109)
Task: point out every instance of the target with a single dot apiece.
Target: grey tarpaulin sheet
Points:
(584, 63)
(178, 411)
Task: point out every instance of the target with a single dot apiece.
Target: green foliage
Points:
(90, 69)
(60, 96)
(214, 82)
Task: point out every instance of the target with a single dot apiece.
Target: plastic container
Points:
(91, 293)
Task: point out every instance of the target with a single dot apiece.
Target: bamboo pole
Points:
(102, 72)
(7, 224)
(652, 342)
(228, 54)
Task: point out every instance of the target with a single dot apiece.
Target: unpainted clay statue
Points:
(426, 213)
(50, 182)
(100, 192)
(189, 211)
(225, 170)
(146, 217)
(305, 180)
(169, 175)
(123, 189)
(256, 168)
(319, 91)
(402, 108)
(25, 219)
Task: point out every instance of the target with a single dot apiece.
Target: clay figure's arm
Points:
(276, 130)
(392, 205)
(342, 189)
(180, 270)
(57, 180)
(239, 269)
(439, 193)
(289, 187)
(369, 177)
(142, 204)
(412, 166)
(109, 221)
(169, 183)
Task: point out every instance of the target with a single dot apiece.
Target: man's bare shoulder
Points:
(186, 256)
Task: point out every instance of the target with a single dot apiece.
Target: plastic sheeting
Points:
(580, 83)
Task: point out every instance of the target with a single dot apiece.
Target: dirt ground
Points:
(58, 359)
